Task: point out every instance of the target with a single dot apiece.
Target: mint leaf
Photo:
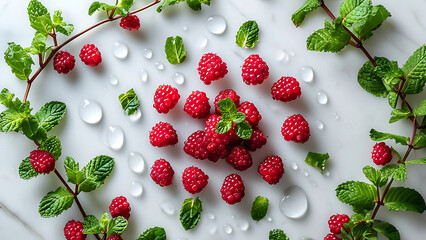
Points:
(247, 35)
(129, 102)
(51, 114)
(30, 127)
(355, 12)
(227, 108)
(155, 233)
(259, 208)
(387, 229)
(398, 114)
(196, 4)
(417, 161)
(239, 117)
(72, 169)
(26, 170)
(393, 99)
(190, 213)
(167, 3)
(317, 160)
(96, 171)
(371, 78)
(359, 195)
(91, 225)
(18, 60)
(13, 118)
(377, 16)
(404, 199)
(6, 98)
(307, 7)
(52, 144)
(38, 44)
(116, 226)
(244, 130)
(60, 25)
(331, 38)
(379, 136)
(124, 7)
(104, 220)
(223, 127)
(415, 70)
(277, 234)
(419, 140)
(230, 115)
(421, 109)
(175, 50)
(98, 6)
(39, 17)
(400, 174)
(54, 203)
(375, 176)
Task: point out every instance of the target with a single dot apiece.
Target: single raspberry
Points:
(255, 70)
(162, 173)
(165, 98)
(286, 89)
(115, 237)
(381, 154)
(211, 68)
(331, 236)
(63, 62)
(240, 158)
(256, 141)
(295, 128)
(252, 114)
(234, 140)
(195, 145)
(42, 161)
(90, 55)
(272, 169)
(227, 93)
(163, 134)
(217, 143)
(119, 207)
(73, 230)
(335, 223)
(232, 189)
(130, 22)
(197, 105)
(194, 179)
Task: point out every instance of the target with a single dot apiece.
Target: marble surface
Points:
(347, 117)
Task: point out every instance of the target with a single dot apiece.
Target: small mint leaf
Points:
(247, 35)
(6, 98)
(393, 99)
(277, 234)
(375, 176)
(398, 114)
(175, 50)
(39, 17)
(317, 160)
(379, 136)
(190, 213)
(155, 233)
(54, 203)
(223, 127)
(129, 102)
(30, 127)
(104, 221)
(239, 118)
(387, 229)
(11, 120)
(259, 208)
(60, 25)
(124, 7)
(244, 130)
(167, 3)
(355, 12)
(52, 144)
(400, 174)
(388, 170)
(417, 161)
(18, 60)
(377, 16)
(419, 140)
(38, 44)
(331, 38)
(73, 171)
(97, 6)
(116, 226)
(227, 107)
(91, 225)
(96, 171)
(307, 7)
(404, 199)
(371, 78)
(51, 114)
(359, 195)
(421, 109)
(26, 170)
(196, 4)
(415, 70)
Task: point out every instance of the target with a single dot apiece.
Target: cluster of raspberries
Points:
(335, 223)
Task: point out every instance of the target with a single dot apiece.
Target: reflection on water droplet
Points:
(319, 125)
(336, 116)
(136, 189)
(216, 24)
(202, 41)
(159, 65)
(294, 166)
(184, 28)
(143, 75)
(227, 228)
(135, 117)
(327, 173)
(283, 56)
(90, 111)
(306, 74)
(113, 80)
(243, 224)
(305, 173)
(120, 50)
(136, 162)
(294, 204)
(168, 208)
(322, 97)
(147, 53)
(114, 137)
(210, 215)
(178, 78)
(269, 219)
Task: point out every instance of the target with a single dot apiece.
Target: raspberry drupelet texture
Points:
(120, 207)
(165, 98)
(211, 68)
(232, 189)
(115, 237)
(381, 154)
(335, 223)
(286, 89)
(42, 161)
(217, 144)
(197, 105)
(295, 128)
(90, 55)
(331, 236)
(256, 141)
(196, 146)
(194, 179)
(227, 93)
(272, 169)
(253, 116)
(163, 134)
(73, 230)
(239, 158)
(63, 62)
(130, 22)
(255, 70)
(162, 172)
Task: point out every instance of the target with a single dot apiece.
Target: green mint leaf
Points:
(393, 99)
(415, 70)
(377, 16)
(371, 78)
(60, 25)
(277, 234)
(404, 199)
(259, 208)
(196, 4)
(30, 127)
(175, 50)
(6, 98)
(18, 60)
(190, 213)
(52, 144)
(417, 161)
(38, 44)
(421, 109)
(359, 195)
(243, 130)
(375, 176)
(98, 6)
(54, 203)
(11, 120)
(223, 127)
(26, 170)
(398, 114)
(239, 117)
(305, 9)
(39, 17)
(419, 140)
(379, 136)
(51, 114)
(129, 102)
(96, 171)
(228, 109)
(91, 225)
(124, 7)
(331, 38)
(388, 170)
(104, 220)
(355, 12)
(155, 233)
(361, 230)
(72, 169)
(317, 160)
(167, 3)
(345, 235)
(116, 226)
(387, 229)
(88, 184)
(400, 174)
(247, 35)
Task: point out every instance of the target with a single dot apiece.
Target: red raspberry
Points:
(165, 98)
(90, 55)
(255, 70)
(232, 189)
(335, 223)
(194, 179)
(197, 105)
(240, 158)
(195, 145)
(130, 22)
(73, 230)
(295, 128)
(331, 236)
(115, 237)
(119, 207)
(234, 140)
(42, 161)
(381, 154)
(162, 173)
(63, 62)
(227, 93)
(256, 141)
(252, 114)
(217, 144)
(163, 134)
(272, 169)
(211, 68)
(286, 89)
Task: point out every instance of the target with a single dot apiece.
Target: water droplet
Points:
(313, 183)
(319, 125)
(243, 224)
(143, 75)
(305, 173)
(213, 229)
(178, 78)
(216, 24)
(168, 208)
(147, 53)
(159, 65)
(185, 28)
(306, 74)
(327, 173)
(294, 204)
(136, 116)
(336, 116)
(202, 41)
(283, 56)
(113, 80)
(322, 97)
(269, 219)
(115, 137)
(136, 189)
(136, 162)
(90, 111)
(227, 228)
(305, 238)
(210, 215)
(294, 166)
(120, 50)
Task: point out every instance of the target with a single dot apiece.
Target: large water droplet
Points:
(90, 111)
(136, 189)
(294, 166)
(136, 162)
(147, 53)
(113, 80)
(243, 224)
(319, 125)
(159, 65)
(216, 24)
(306, 74)
(120, 50)
(143, 75)
(178, 78)
(227, 228)
(167, 208)
(322, 97)
(210, 215)
(202, 41)
(294, 204)
(136, 116)
(283, 56)
(115, 137)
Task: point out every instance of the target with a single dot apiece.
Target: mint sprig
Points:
(155, 233)
(247, 35)
(231, 116)
(259, 208)
(190, 213)
(121, 8)
(129, 102)
(277, 234)
(175, 50)
(317, 160)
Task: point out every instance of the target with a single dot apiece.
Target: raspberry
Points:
(295, 128)
(227, 93)
(197, 105)
(336, 222)
(286, 89)
(195, 145)
(130, 22)
(163, 134)
(217, 143)
(232, 189)
(234, 140)
(255, 70)
(252, 114)
(63, 62)
(240, 158)
(115, 237)
(42, 161)
(194, 179)
(90, 55)
(256, 141)
(162, 173)
(211, 68)
(119, 207)
(165, 98)
(73, 230)
(381, 154)
(272, 169)
(331, 236)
